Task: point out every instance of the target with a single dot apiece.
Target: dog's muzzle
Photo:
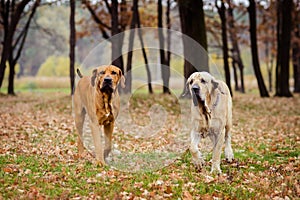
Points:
(107, 85)
(196, 94)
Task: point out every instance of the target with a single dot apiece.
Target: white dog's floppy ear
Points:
(93, 77)
(214, 83)
(187, 90)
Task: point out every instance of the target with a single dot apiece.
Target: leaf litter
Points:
(38, 153)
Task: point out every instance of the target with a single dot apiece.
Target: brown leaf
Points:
(187, 195)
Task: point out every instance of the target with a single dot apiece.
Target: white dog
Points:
(211, 111)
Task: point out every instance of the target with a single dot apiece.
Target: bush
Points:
(55, 66)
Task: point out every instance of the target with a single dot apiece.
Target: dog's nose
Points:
(195, 87)
(108, 79)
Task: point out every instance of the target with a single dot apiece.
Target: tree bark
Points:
(193, 25)
(130, 47)
(144, 52)
(296, 51)
(222, 14)
(72, 44)
(165, 70)
(236, 54)
(116, 42)
(11, 14)
(254, 50)
(283, 50)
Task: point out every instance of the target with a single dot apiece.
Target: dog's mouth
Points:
(196, 95)
(107, 85)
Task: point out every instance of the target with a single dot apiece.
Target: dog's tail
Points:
(79, 73)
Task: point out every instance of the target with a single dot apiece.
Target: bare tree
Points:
(193, 25)
(144, 52)
(11, 13)
(135, 23)
(118, 21)
(254, 50)
(222, 14)
(296, 51)
(284, 25)
(72, 44)
(236, 54)
(165, 69)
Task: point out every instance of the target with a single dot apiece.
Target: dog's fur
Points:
(211, 111)
(97, 96)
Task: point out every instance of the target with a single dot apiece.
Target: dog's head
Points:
(201, 85)
(107, 78)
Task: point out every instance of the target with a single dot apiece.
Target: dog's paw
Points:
(215, 168)
(199, 164)
(229, 155)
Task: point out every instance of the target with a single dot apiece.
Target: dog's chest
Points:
(105, 119)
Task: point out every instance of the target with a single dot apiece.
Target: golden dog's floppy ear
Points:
(94, 77)
(122, 79)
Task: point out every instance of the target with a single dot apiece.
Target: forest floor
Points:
(38, 153)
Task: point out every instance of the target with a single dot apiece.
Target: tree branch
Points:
(95, 17)
(108, 6)
(25, 31)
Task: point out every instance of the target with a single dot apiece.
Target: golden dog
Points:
(211, 116)
(97, 96)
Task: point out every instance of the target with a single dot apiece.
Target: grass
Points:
(38, 155)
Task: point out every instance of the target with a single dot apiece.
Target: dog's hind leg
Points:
(228, 150)
(108, 130)
(79, 121)
(196, 154)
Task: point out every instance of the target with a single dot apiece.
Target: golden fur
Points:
(97, 96)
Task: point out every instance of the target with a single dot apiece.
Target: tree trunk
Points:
(72, 44)
(235, 76)
(222, 13)
(165, 70)
(116, 42)
(11, 76)
(130, 48)
(12, 49)
(254, 50)
(193, 25)
(168, 19)
(296, 53)
(144, 52)
(283, 50)
(236, 54)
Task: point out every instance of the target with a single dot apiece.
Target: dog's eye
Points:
(102, 72)
(113, 73)
(191, 82)
(203, 81)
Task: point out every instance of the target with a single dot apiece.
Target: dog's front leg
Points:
(217, 150)
(108, 130)
(196, 154)
(97, 142)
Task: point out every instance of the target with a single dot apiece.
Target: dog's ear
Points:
(214, 83)
(122, 79)
(187, 89)
(93, 78)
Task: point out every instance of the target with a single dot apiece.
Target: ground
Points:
(38, 153)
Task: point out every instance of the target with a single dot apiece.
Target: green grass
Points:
(261, 166)
(32, 171)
